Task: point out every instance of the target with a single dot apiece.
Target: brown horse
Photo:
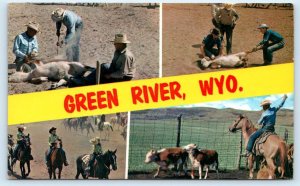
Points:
(273, 149)
(24, 156)
(57, 159)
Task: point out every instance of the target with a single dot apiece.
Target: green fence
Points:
(156, 133)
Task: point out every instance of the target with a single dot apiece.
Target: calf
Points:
(167, 156)
(231, 61)
(204, 158)
(60, 71)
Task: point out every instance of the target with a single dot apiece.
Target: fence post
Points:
(286, 135)
(178, 130)
(240, 152)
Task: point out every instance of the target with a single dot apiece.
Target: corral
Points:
(208, 128)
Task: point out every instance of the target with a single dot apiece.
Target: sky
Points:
(249, 104)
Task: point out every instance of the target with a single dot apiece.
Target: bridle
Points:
(243, 117)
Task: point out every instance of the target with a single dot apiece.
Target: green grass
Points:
(156, 134)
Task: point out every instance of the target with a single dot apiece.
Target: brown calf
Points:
(204, 158)
(166, 157)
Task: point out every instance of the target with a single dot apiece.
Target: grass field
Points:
(146, 134)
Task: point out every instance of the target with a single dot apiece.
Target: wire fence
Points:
(159, 132)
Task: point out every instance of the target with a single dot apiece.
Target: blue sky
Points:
(249, 104)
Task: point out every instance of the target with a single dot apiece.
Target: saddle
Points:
(259, 141)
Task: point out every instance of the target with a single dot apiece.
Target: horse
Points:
(124, 132)
(24, 156)
(273, 149)
(85, 124)
(104, 126)
(57, 159)
(101, 167)
(72, 123)
(10, 145)
(124, 120)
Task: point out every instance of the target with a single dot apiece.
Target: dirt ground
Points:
(185, 26)
(74, 143)
(101, 23)
(232, 175)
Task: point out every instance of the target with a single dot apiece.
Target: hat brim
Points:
(262, 27)
(33, 28)
(125, 42)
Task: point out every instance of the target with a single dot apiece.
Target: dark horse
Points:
(24, 156)
(101, 167)
(57, 159)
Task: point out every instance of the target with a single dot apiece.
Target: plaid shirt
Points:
(24, 45)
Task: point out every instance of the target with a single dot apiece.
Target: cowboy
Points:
(272, 41)
(211, 45)
(74, 25)
(97, 151)
(26, 47)
(122, 67)
(267, 120)
(53, 139)
(20, 143)
(226, 19)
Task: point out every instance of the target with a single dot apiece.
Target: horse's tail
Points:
(284, 168)
(19, 77)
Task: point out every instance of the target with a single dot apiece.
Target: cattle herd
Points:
(199, 158)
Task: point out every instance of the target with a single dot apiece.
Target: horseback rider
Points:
(267, 120)
(20, 144)
(97, 151)
(53, 138)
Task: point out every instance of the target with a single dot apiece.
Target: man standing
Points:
(74, 26)
(226, 18)
(26, 47)
(211, 45)
(267, 120)
(272, 41)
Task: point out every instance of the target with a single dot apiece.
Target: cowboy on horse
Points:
(53, 139)
(267, 120)
(20, 144)
(97, 151)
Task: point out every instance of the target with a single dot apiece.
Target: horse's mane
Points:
(251, 124)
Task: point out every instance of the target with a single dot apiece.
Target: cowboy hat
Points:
(52, 129)
(95, 140)
(228, 5)
(33, 25)
(21, 127)
(58, 14)
(265, 102)
(263, 26)
(120, 38)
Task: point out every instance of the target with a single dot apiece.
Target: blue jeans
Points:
(227, 29)
(211, 51)
(256, 134)
(268, 50)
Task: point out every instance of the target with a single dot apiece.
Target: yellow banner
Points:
(150, 93)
